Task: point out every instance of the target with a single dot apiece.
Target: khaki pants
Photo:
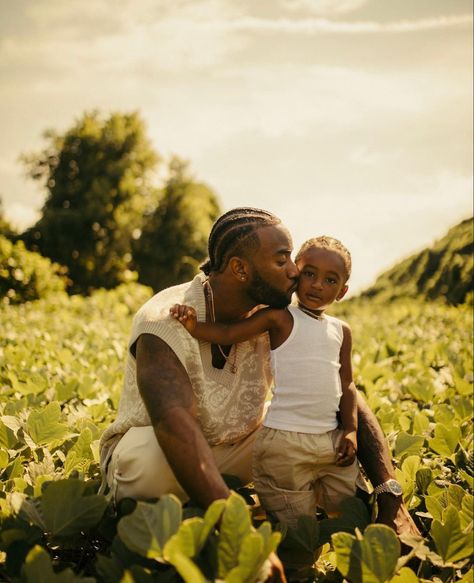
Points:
(296, 472)
(138, 467)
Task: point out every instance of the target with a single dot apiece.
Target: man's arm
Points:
(375, 458)
(348, 404)
(168, 396)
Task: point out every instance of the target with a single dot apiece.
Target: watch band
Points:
(390, 487)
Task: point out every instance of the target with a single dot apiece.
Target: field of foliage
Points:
(61, 364)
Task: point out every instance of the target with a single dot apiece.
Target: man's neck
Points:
(231, 301)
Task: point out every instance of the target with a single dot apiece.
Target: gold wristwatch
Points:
(390, 487)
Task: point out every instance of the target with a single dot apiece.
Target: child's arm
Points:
(226, 334)
(347, 449)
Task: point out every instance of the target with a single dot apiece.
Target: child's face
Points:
(322, 278)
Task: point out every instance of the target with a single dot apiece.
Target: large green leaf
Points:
(305, 536)
(371, 558)
(423, 479)
(38, 569)
(192, 534)
(7, 436)
(422, 391)
(405, 575)
(407, 444)
(186, 541)
(43, 426)
(235, 526)
(434, 507)
(67, 511)
(446, 439)
(354, 514)
(254, 552)
(451, 543)
(467, 511)
(250, 560)
(149, 527)
(188, 570)
(421, 423)
(4, 458)
(406, 475)
(80, 454)
(211, 517)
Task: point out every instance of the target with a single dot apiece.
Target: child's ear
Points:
(342, 293)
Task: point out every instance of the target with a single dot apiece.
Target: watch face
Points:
(395, 487)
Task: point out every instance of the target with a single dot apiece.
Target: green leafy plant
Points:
(61, 367)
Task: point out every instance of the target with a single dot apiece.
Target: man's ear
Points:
(239, 268)
(342, 293)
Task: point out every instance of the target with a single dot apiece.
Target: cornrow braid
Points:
(330, 243)
(233, 232)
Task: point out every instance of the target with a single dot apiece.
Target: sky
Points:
(349, 118)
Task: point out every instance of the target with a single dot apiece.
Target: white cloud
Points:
(21, 215)
(320, 25)
(325, 7)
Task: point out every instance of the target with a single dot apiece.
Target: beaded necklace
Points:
(210, 300)
(310, 313)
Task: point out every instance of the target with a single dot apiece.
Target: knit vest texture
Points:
(229, 405)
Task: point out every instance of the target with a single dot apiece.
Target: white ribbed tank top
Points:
(306, 374)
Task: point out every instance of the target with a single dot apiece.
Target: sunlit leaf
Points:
(407, 444)
(149, 527)
(235, 525)
(451, 543)
(406, 575)
(44, 427)
(446, 439)
(371, 558)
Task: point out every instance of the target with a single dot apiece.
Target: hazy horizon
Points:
(351, 118)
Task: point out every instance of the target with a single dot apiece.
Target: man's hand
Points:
(347, 449)
(186, 315)
(277, 574)
(392, 511)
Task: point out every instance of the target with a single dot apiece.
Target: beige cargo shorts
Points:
(294, 473)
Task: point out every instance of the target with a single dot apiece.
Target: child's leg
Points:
(284, 470)
(283, 474)
(336, 483)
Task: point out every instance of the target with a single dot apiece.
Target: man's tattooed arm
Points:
(166, 390)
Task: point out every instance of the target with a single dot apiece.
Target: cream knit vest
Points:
(230, 406)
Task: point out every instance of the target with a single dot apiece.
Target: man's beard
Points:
(263, 293)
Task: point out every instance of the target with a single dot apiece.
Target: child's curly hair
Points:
(330, 243)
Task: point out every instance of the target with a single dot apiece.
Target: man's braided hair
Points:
(235, 233)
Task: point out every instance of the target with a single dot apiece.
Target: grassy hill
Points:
(443, 271)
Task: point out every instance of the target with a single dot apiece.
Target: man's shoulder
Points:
(157, 307)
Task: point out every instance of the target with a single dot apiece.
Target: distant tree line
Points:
(104, 219)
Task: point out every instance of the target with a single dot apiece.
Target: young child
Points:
(302, 460)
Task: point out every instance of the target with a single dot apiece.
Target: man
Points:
(189, 411)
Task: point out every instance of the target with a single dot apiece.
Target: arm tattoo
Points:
(162, 380)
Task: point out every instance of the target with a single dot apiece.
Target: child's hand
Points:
(347, 449)
(186, 315)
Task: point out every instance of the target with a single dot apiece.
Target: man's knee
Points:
(139, 469)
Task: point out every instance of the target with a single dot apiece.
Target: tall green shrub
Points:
(25, 275)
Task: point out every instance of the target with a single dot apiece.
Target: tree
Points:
(97, 175)
(174, 238)
(6, 228)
